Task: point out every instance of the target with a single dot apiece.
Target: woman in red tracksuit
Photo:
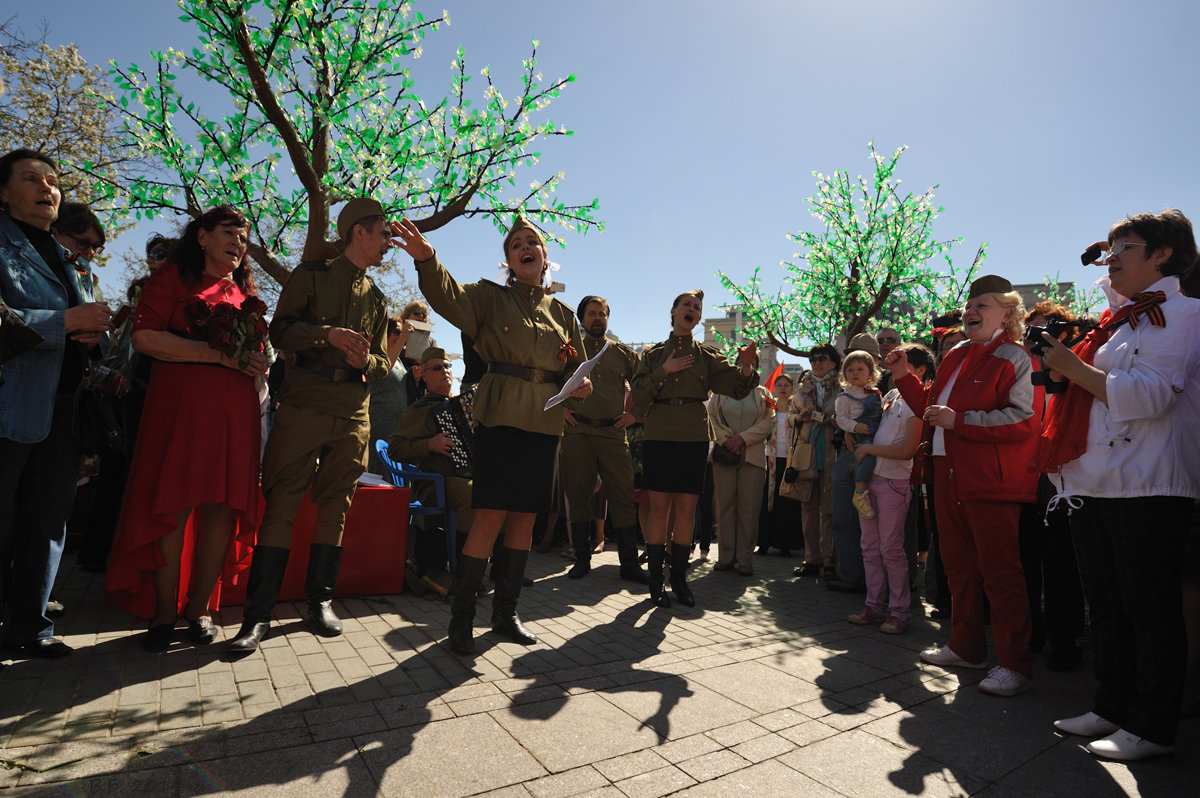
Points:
(981, 411)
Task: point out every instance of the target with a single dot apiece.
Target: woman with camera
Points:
(1123, 441)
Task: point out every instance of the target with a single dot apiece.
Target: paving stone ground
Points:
(761, 690)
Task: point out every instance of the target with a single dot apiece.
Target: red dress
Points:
(199, 443)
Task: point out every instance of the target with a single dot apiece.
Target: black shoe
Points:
(54, 608)
(829, 572)
(807, 569)
(679, 585)
(44, 648)
(201, 631)
(838, 586)
(581, 541)
(158, 638)
(655, 554)
(262, 589)
(509, 568)
(627, 553)
(938, 613)
(467, 579)
(324, 562)
(763, 550)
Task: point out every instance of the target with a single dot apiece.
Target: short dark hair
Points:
(9, 160)
(827, 349)
(920, 355)
(1167, 229)
(77, 217)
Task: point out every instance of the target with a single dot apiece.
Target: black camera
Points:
(1042, 378)
(1033, 335)
(790, 475)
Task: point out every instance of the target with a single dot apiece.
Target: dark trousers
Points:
(1131, 560)
(781, 525)
(1051, 575)
(702, 529)
(37, 489)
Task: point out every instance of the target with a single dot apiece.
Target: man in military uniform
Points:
(334, 319)
(419, 440)
(594, 444)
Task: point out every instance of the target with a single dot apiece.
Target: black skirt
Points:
(514, 470)
(674, 466)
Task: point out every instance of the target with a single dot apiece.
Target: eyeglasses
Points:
(158, 253)
(1120, 247)
(887, 339)
(84, 246)
(819, 359)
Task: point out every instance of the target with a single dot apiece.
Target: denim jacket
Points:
(29, 286)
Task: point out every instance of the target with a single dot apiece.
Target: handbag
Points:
(94, 418)
(802, 460)
(722, 456)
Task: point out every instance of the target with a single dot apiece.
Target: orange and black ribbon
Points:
(566, 350)
(1148, 302)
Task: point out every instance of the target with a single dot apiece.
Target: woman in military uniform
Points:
(531, 343)
(669, 389)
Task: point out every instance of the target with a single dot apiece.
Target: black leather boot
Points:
(324, 561)
(262, 591)
(510, 570)
(679, 561)
(627, 552)
(467, 579)
(655, 552)
(581, 541)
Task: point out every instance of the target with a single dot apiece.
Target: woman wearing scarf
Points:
(812, 413)
(981, 411)
(1123, 441)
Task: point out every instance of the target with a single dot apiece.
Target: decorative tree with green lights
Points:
(323, 108)
(875, 262)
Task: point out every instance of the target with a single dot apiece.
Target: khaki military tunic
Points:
(320, 420)
(410, 444)
(517, 325)
(592, 449)
(687, 420)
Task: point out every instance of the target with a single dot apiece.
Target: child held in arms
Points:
(858, 410)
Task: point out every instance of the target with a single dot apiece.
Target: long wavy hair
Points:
(189, 257)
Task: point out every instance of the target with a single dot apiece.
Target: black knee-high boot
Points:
(581, 541)
(510, 571)
(679, 561)
(262, 591)
(467, 580)
(324, 562)
(655, 553)
(627, 552)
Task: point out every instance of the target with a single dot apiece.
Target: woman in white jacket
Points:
(1123, 440)
(741, 428)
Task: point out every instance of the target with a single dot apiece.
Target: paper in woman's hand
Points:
(576, 380)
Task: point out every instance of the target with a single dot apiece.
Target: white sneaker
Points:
(1126, 747)
(943, 657)
(1088, 724)
(1005, 681)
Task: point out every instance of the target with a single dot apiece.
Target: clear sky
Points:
(699, 124)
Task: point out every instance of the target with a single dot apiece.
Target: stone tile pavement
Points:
(762, 690)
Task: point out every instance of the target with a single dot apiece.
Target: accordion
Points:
(453, 417)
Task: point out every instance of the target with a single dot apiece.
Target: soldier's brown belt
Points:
(524, 372)
(596, 422)
(329, 372)
(676, 401)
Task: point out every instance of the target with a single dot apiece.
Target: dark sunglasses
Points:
(887, 339)
(158, 253)
(819, 359)
(438, 367)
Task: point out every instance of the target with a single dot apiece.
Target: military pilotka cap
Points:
(866, 342)
(583, 305)
(356, 210)
(989, 284)
(432, 353)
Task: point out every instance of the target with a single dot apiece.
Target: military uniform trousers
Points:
(458, 496)
(581, 458)
(300, 439)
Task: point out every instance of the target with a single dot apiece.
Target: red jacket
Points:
(995, 428)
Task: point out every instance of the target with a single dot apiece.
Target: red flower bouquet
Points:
(232, 331)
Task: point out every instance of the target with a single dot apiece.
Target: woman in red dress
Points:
(199, 442)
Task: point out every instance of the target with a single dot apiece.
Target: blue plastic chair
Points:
(403, 475)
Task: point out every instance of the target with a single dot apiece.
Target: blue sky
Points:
(699, 124)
